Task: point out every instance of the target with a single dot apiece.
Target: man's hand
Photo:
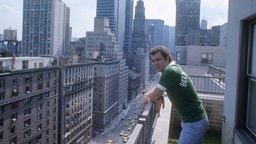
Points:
(144, 102)
(159, 103)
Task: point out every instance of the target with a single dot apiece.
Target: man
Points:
(181, 93)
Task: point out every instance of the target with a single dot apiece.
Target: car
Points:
(126, 123)
(121, 133)
(126, 135)
(109, 142)
(125, 139)
(129, 118)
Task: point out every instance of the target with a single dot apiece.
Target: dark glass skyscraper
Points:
(128, 28)
(187, 22)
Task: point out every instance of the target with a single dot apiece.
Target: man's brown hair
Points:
(163, 50)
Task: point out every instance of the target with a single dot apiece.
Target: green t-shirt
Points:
(182, 93)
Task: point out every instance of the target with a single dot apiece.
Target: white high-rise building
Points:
(203, 24)
(45, 28)
(101, 36)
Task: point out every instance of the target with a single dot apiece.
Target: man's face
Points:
(159, 62)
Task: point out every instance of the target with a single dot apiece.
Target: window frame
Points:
(244, 77)
(250, 77)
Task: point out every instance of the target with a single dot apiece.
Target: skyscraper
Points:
(139, 33)
(155, 28)
(44, 27)
(203, 24)
(114, 10)
(128, 28)
(187, 22)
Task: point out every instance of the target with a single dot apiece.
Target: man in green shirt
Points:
(182, 94)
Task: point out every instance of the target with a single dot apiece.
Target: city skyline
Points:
(215, 12)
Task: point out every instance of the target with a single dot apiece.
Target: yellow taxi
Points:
(125, 139)
(109, 142)
(121, 133)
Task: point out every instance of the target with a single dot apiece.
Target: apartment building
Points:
(75, 106)
(29, 104)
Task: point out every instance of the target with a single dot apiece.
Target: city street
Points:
(119, 124)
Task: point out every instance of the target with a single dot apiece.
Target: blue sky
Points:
(84, 11)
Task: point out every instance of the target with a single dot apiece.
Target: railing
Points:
(142, 132)
(209, 84)
(214, 70)
(148, 131)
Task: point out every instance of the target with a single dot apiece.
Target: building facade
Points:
(123, 85)
(187, 30)
(101, 36)
(75, 104)
(139, 32)
(29, 100)
(128, 29)
(155, 29)
(169, 37)
(106, 94)
(114, 10)
(45, 27)
(201, 55)
(239, 101)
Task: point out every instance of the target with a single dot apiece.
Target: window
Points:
(251, 115)
(206, 58)
(246, 116)
(13, 140)
(13, 117)
(27, 133)
(27, 112)
(25, 64)
(39, 127)
(1, 122)
(1, 135)
(12, 130)
(27, 123)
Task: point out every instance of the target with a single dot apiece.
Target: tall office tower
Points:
(75, 103)
(216, 35)
(45, 27)
(128, 29)
(114, 10)
(155, 29)
(29, 101)
(187, 22)
(101, 36)
(169, 37)
(203, 24)
(139, 32)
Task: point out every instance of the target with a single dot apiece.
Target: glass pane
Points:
(253, 60)
(209, 56)
(251, 121)
(203, 55)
